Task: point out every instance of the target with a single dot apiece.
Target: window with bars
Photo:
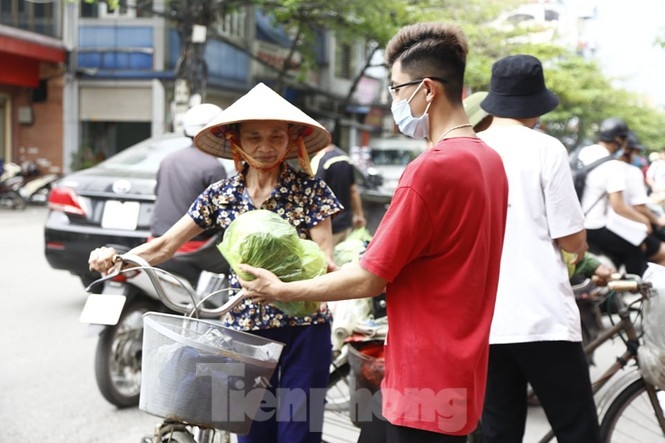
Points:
(344, 61)
(233, 24)
(35, 17)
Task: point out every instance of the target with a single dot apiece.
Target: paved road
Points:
(47, 386)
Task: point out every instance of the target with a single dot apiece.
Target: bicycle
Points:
(630, 404)
(175, 428)
(188, 364)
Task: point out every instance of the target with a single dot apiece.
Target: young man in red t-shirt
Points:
(436, 252)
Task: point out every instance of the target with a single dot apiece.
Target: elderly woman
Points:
(260, 131)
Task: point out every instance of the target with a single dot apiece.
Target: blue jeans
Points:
(298, 385)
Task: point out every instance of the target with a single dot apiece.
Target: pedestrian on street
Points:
(333, 166)
(655, 177)
(603, 202)
(436, 252)
(478, 117)
(260, 131)
(181, 177)
(536, 331)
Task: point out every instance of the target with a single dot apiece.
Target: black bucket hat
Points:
(517, 89)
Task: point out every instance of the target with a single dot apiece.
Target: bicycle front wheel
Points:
(338, 394)
(631, 417)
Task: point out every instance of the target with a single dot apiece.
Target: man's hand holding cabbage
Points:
(263, 239)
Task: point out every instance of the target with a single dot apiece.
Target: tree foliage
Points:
(587, 96)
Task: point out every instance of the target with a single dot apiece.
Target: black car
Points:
(112, 203)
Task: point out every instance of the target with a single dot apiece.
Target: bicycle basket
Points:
(651, 353)
(204, 374)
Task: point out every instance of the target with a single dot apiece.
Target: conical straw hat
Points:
(472, 107)
(260, 103)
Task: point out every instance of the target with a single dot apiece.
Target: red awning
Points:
(21, 53)
(31, 49)
(19, 71)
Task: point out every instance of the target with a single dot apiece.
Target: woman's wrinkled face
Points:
(266, 142)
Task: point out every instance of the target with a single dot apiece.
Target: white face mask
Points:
(414, 127)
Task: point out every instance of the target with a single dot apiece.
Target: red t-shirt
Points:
(439, 245)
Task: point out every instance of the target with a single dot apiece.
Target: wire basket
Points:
(204, 374)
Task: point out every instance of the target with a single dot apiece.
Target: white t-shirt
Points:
(591, 153)
(601, 181)
(534, 299)
(656, 172)
(636, 191)
(605, 179)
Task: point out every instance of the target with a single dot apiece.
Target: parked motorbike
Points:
(23, 184)
(11, 181)
(36, 187)
(354, 321)
(115, 312)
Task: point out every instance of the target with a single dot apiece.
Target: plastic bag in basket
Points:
(652, 353)
(263, 239)
(191, 391)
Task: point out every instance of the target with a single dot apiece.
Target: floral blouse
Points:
(301, 200)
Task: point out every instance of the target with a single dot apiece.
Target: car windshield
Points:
(147, 155)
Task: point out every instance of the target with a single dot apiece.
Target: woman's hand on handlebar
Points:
(102, 259)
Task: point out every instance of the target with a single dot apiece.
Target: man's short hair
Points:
(432, 50)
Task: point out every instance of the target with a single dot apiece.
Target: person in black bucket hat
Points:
(535, 337)
(517, 89)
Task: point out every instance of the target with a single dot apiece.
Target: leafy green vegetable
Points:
(263, 239)
(314, 261)
(350, 249)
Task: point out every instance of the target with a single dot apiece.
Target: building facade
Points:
(33, 59)
(80, 82)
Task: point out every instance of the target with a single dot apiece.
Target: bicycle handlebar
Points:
(138, 263)
(629, 285)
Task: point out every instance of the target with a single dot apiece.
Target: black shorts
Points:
(651, 244)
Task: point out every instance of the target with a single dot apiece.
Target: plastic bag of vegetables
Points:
(263, 239)
(350, 249)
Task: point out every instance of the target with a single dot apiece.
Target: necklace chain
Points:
(448, 131)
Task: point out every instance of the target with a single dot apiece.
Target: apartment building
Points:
(33, 64)
(81, 82)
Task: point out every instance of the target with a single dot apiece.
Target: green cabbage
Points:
(349, 250)
(314, 262)
(263, 239)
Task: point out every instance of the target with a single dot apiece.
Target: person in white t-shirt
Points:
(636, 196)
(655, 178)
(535, 336)
(603, 198)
